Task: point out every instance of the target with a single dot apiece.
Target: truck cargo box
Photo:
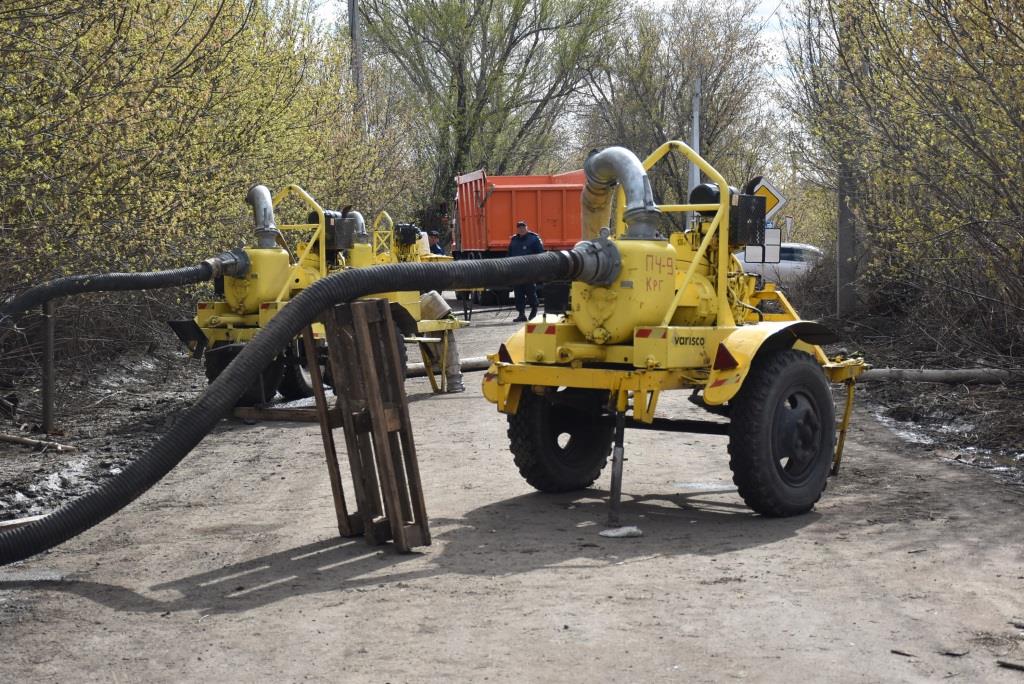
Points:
(489, 206)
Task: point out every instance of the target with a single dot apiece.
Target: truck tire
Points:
(560, 446)
(262, 389)
(781, 434)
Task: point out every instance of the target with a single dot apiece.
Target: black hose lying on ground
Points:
(219, 398)
(106, 282)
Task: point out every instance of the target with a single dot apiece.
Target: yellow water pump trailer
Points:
(672, 310)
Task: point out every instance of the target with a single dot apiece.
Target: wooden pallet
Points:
(373, 411)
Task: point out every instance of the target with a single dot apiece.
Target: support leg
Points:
(618, 456)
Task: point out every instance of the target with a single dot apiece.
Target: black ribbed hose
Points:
(105, 282)
(221, 396)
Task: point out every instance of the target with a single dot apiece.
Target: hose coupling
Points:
(233, 263)
(598, 262)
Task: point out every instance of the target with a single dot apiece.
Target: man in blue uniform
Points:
(524, 242)
(435, 246)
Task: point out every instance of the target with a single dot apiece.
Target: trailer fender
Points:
(747, 342)
(512, 350)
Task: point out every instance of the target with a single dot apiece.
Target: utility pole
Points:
(694, 179)
(846, 244)
(846, 228)
(355, 35)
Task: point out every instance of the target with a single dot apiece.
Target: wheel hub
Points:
(796, 436)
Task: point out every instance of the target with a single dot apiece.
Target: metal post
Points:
(846, 229)
(694, 179)
(48, 374)
(618, 456)
(355, 34)
(846, 244)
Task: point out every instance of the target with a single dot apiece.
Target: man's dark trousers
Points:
(523, 294)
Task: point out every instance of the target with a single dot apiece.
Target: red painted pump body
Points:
(489, 207)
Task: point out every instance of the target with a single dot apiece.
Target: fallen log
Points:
(953, 375)
(468, 365)
(982, 376)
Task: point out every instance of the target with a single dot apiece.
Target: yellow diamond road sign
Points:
(773, 199)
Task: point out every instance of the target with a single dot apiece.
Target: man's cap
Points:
(520, 223)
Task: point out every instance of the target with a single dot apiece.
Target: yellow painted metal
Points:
(844, 424)
(714, 233)
(691, 270)
(440, 325)
(384, 239)
(312, 255)
(361, 255)
(667, 208)
(742, 343)
(267, 277)
(593, 378)
(641, 292)
(687, 347)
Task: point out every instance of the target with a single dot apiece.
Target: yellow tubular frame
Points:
(383, 239)
(319, 237)
(725, 317)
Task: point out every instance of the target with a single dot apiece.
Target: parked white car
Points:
(795, 260)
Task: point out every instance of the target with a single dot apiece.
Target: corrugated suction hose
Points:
(234, 262)
(105, 282)
(221, 396)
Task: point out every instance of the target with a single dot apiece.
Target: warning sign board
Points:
(773, 199)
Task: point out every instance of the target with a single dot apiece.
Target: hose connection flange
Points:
(233, 263)
(598, 262)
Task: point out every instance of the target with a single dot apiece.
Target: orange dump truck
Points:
(489, 206)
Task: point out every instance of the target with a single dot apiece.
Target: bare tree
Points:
(494, 76)
(641, 95)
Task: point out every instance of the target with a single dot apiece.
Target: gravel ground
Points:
(909, 569)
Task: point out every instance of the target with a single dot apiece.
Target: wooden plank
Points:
(301, 414)
(341, 350)
(327, 434)
(362, 314)
(364, 422)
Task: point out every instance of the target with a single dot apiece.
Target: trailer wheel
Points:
(296, 382)
(262, 389)
(559, 440)
(403, 350)
(781, 435)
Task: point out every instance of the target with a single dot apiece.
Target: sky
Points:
(769, 11)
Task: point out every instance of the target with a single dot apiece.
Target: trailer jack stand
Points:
(618, 457)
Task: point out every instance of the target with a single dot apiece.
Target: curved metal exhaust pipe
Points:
(604, 170)
(262, 204)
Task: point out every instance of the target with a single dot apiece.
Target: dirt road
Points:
(910, 569)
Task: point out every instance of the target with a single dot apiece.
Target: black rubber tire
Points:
(296, 382)
(255, 394)
(782, 434)
(534, 431)
(403, 350)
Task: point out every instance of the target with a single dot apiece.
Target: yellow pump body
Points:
(268, 273)
(639, 296)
